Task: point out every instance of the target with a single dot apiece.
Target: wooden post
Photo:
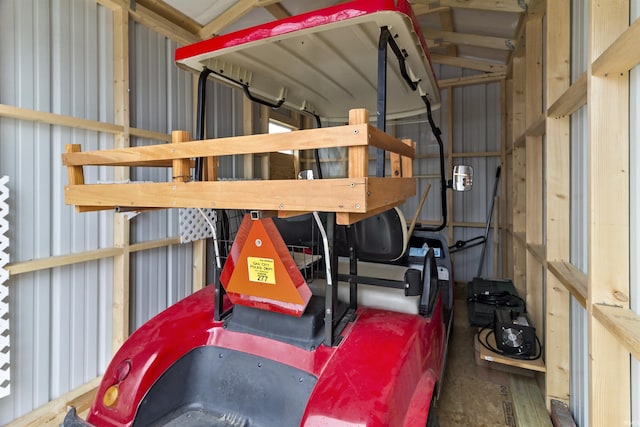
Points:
(75, 173)
(121, 228)
(358, 156)
(181, 167)
(533, 184)
(519, 189)
(608, 217)
(557, 180)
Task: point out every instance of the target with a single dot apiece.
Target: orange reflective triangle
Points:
(260, 271)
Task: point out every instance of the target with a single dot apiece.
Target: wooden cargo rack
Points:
(352, 198)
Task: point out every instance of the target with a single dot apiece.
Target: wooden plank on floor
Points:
(528, 403)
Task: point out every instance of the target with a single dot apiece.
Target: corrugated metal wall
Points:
(476, 128)
(579, 401)
(161, 100)
(56, 57)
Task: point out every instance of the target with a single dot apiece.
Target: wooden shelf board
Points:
(572, 278)
(623, 323)
(347, 195)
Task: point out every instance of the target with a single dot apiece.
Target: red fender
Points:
(418, 409)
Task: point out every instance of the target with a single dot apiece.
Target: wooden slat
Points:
(623, 323)
(348, 218)
(470, 39)
(572, 278)
(407, 162)
(357, 195)
(26, 114)
(358, 156)
(472, 80)
(490, 5)
(52, 413)
(61, 260)
(470, 64)
(571, 100)
(339, 136)
(528, 402)
(622, 55)
(154, 244)
(75, 174)
(57, 119)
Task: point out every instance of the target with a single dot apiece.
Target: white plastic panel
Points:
(5, 345)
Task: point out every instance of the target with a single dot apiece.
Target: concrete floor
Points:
(472, 395)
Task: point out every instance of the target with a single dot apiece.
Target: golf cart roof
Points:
(324, 62)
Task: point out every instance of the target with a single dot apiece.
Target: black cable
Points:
(498, 299)
(489, 347)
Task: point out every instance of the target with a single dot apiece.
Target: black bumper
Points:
(73, 420)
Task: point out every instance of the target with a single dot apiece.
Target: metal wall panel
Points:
(56, 57)
(579, 401)
(476, 128)
(579, 375)
(161, 100)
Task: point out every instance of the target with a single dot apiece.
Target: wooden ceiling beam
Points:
(171, 14)
(472, 64)
(425, 9)
(472, 80)
(446, 23)
(231, 15)
(162, 25)
(277, 11)
(489, 5)
(470, 39)
(151, 19)
(228, 17)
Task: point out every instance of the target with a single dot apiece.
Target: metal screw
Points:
(356, 131)
(258, 242)
(357, 205)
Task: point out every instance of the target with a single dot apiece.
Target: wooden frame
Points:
(353, 198)
(612, 326)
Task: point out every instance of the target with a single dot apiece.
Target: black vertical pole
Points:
(382, 96)
(202, 97)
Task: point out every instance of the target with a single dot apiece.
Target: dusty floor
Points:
(472, 396)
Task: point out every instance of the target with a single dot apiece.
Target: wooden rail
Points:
(353, 198)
